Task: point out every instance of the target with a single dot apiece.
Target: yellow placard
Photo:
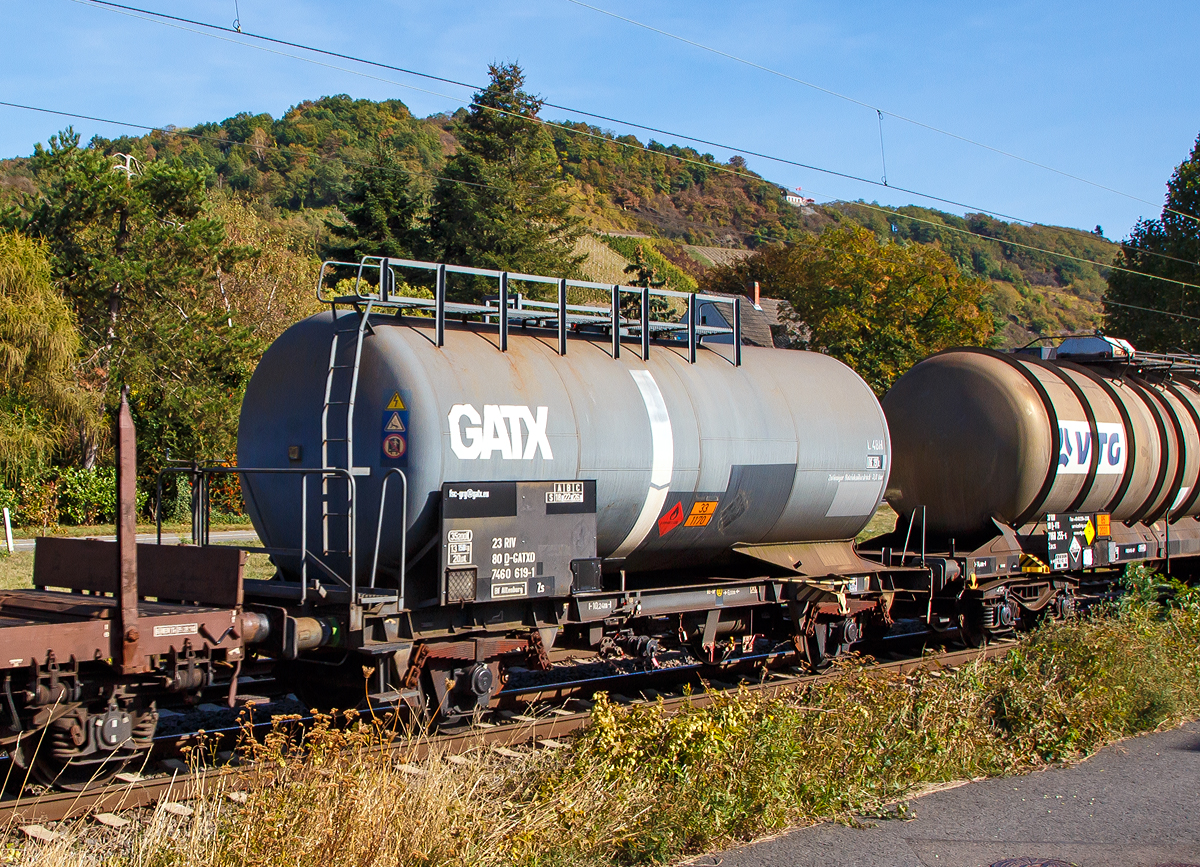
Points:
(395, 402)
(1104, 524)
(1089, 532)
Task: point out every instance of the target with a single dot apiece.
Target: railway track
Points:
(510, 729)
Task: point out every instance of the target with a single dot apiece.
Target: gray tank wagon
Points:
(786, 447)
(477, 478)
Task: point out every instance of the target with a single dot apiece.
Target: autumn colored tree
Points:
(40, 403)
(1154, 307)
(880, 307)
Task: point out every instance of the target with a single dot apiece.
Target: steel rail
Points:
(60, 806)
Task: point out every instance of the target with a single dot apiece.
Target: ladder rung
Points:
(334, 440)
(341, 366)
(335, 514)
(338, 403)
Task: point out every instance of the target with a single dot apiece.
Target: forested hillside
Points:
(306, 161)
(181, 254)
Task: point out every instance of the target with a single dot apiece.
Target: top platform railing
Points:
(510, 307)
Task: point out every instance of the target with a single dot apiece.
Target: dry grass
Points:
(643, 786)
(604, 264)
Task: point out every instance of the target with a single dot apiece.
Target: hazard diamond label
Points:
(671, 519)
(396, 402)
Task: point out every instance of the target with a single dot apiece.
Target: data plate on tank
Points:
(511, 540)
(1070, 537)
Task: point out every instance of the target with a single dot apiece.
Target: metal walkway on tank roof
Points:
(509, 307)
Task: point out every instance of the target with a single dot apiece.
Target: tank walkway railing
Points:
(200, 478)
(511, 308)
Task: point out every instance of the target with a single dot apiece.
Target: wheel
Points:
(815, 646)
(970, 623)
(86, 748)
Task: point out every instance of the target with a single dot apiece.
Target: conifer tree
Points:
(1158, 315)
(502, 202)
(385, 210)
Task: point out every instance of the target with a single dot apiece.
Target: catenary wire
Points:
(127, 9)
(706, 165)
(142, 14)
(875, 108)
(198, 137)
(711, 166)
(743, 233)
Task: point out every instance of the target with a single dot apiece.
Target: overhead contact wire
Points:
(712, 166)
(137, 12)
(875, 108)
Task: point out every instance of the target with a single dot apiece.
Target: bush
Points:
(38, 502)
(645, 786)
(87, 496)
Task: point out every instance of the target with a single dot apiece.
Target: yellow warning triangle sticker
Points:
(396, 402)
(395, 424)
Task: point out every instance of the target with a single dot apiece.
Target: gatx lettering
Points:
(515, 432)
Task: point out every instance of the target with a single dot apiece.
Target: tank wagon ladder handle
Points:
(329, 461)
(394, 471)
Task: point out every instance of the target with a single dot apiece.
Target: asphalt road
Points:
(1135, 803)
(248, 536)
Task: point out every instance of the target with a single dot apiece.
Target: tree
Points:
(136, 254)
(40, 403)
(385, 210)
(502, 203)
(878, 307)
(644, 274)
(1152, 308)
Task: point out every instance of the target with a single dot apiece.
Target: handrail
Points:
(200, 505)
(394, 471)
(564, 314)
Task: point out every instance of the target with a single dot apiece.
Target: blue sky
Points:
(1103, 90)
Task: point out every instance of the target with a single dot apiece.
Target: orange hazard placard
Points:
(701, 514)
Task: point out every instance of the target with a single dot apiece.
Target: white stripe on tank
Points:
(662, 461)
